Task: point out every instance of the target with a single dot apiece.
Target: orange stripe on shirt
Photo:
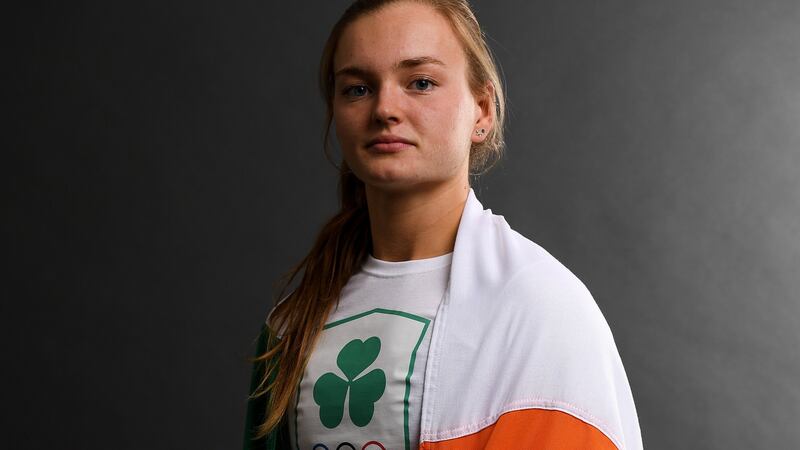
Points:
(530, 429)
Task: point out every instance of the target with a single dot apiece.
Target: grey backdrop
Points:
(165, 166)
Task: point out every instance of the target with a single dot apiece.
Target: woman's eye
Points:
(423, 83)
(358, 88)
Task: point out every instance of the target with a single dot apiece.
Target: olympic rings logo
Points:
(371, 445)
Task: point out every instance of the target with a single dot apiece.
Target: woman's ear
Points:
(484, 114)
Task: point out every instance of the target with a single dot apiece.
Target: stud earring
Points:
(480, 132)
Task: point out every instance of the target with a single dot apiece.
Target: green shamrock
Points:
(330, 390)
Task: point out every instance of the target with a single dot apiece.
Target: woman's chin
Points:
(387, 171)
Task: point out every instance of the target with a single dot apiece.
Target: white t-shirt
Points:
(362, 388)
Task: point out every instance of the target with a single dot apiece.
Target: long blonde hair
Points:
(345, 240)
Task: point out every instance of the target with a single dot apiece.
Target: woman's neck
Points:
(415, 224)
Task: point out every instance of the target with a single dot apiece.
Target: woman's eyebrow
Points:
(404, 64)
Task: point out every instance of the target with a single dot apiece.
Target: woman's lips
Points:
(388, 147)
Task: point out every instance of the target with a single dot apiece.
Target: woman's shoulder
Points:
(269, 324)
(550, 294)
(532, 283)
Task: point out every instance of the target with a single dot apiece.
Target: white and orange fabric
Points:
(520, 356)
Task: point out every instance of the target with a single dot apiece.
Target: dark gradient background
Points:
(165, 167)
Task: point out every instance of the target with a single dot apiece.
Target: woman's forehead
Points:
(398, 36)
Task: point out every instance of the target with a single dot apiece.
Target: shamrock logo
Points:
(330, 390)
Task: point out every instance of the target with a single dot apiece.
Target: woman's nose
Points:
(388, 103)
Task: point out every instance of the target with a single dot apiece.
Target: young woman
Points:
(422, 320)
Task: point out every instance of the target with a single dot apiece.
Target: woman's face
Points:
(402, 71)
